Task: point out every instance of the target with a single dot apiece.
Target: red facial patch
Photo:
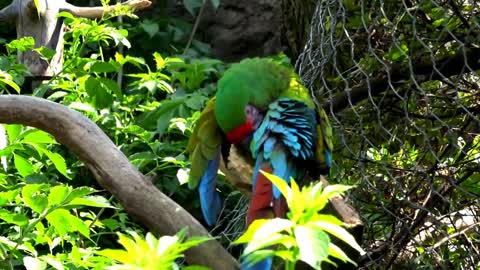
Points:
(238, 134)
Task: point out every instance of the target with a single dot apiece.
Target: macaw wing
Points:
(324, 149)
(204, 147)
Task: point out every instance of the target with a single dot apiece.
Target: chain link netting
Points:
(400, 82)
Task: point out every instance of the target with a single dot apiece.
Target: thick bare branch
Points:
(114, 172)
(98, 12)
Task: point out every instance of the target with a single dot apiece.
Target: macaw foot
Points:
(265, 264)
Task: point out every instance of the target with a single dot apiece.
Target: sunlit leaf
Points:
(338, 232)
(34, 197)
(313, 245)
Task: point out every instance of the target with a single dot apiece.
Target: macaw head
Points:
(244, 93)
(251, 121)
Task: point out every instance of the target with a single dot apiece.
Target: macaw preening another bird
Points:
(261, 105)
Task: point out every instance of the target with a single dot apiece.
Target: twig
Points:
(195, 26)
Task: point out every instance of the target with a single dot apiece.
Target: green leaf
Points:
(330, 192)
(79, 106)
(272, 226)
(23, 166)
(249, 234)
(99, 93)
(93, 201)
(8, 80)
(100, 66)
(32, 263)
(38, 136)
(8, 196)
(338, 232)
(45, 53)
(57, 160)
(79, 192)
(272, 240)
(159, 61)
(160, 117)
(150, 28)
(215, 3)
(58, 194)
(338, 253)
(313, 245)
(13, 218)
(64, 222)
(280, 184)
(192, 5)
(34, 197)
(23, 44)
(13, 131)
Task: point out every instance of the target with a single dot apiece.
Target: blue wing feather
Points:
(210, 201)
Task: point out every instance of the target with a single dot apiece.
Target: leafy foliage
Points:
(305, 235)
(50, 217)
(152, 253)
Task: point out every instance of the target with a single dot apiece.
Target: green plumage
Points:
(203, 143)
(258, 82)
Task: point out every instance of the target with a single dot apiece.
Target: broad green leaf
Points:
(45, 53)
(79, 106)
(13, 131)
(57, 159)
(80, 192)
(54, 262)
(23, 166)
(99, 93)
(192, 5)
(330, 192)
(272, 240)
(159, 118)
(8, 80)
(8, 196)
(38, 136)
(251, 230)
(182, 176)
(150, 28)
(313, 245)
(279, 183)
(13, 218)
(257, 256)
(93, 201)
(215, 3)
(23, 44)
(32, 263)
(64, 222)
(99, 66)
(115, 254)
(58, 194)
(338, 232)
(335, 251)
(159, 61)
(34, 197)
(272, 226)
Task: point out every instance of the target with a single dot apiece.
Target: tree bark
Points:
(42, 24)
(114, 172)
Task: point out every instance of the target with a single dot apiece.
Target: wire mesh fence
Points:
(400, 82)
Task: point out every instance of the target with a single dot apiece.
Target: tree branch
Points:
(463, 61)
(98, 12)
(8, 13)
(114, 172)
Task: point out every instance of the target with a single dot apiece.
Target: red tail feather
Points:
(260, 204)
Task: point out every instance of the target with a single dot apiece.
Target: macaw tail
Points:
(210, 201)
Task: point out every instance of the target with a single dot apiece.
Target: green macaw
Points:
(263, 105)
